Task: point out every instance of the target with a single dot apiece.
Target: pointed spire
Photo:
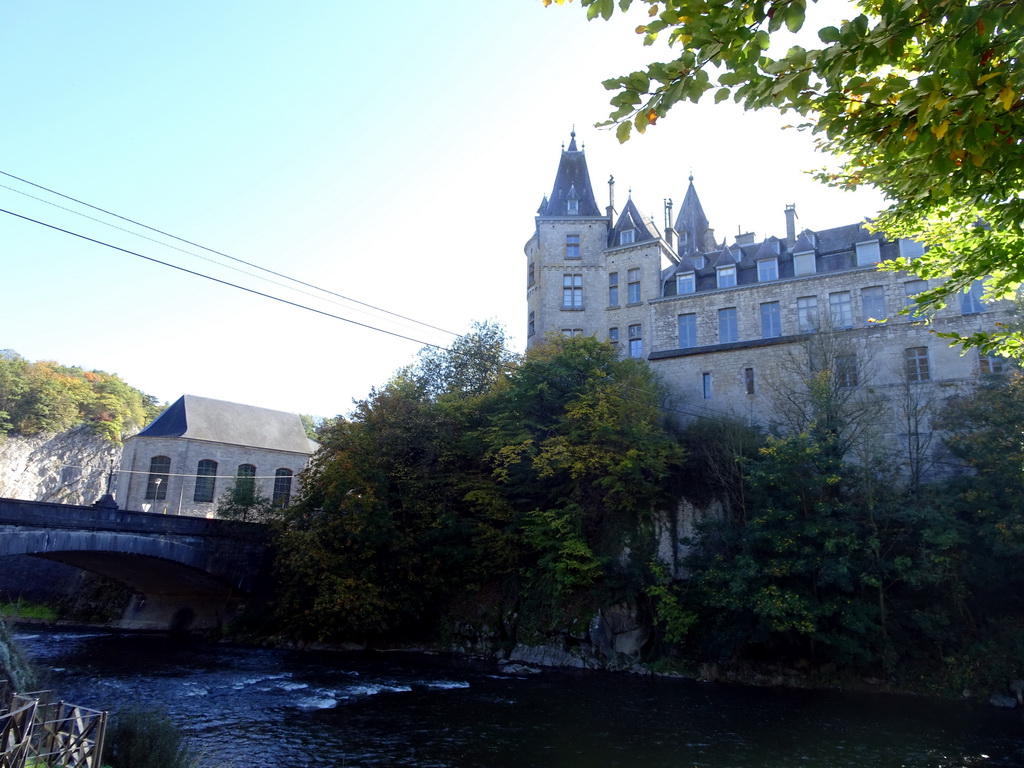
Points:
(572, 194)
(691, 224)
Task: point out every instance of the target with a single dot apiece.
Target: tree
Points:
(921, 99)
(243, 500)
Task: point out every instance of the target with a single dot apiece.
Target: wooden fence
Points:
(39, 732)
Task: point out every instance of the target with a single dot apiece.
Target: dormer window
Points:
(767, 270)
(803, 263)
(726, 277)
(686, 283)
(627, 236)
(573, 207)
(698, 261)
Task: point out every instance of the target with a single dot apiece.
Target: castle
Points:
(737, 330)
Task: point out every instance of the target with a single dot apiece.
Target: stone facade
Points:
(184, 461)
(733, 328)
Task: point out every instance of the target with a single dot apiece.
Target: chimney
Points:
(669, 231)
(791, 224)
(611, 197)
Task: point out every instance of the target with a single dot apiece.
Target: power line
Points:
(197, 245)
(218, 280)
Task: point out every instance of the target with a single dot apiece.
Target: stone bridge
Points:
(188, 573)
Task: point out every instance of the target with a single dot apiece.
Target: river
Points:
(246, 707)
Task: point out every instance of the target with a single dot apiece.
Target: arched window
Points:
(282, 488)
(245, 480)
(206, 480)
(159, 472)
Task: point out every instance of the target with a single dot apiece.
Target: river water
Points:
(243, 707)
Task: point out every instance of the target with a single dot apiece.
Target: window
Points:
(771, 320)
(840, 309)
(572, 206)
(868, 253)
(282, 488)
(613, 335)
(872, 301)
(748, 380)
(572, 291)
(636, 343)
(726, 277)
(613, 289)
(571, 332)
(159, 473)
(846, 371)
(807, 314)
(687, 331)
(910, 289)
(686, 283)
(970, 300)
(206, 480)
(531, 325)
(531, 275)
(245, 479)
(803, 263)
(727, 330)
(706, 384)
(572, 246)
(910, 249)
(917, 364)
(633, 288)
(990, 365)
(767, 269)
(627, 236)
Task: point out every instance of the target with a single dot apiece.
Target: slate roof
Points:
(571, 180)
(691, 223)
(220, 421)
(631, 218)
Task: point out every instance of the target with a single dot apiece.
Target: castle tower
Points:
(566, 278)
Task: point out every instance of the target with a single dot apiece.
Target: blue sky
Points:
(392, 153)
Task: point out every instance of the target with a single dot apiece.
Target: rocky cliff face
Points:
(69, 467)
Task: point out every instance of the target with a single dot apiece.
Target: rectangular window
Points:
(627, 236)
(531, 276)
(727, 328)
(572, 206)
(726, 277)
(846, 371)
(633, 288)
(613, 335)
(840, 309)
(868, 253)
(572, 246)
(686, 283)
(572, 291)
(872, 302)
(706, 384)
(767, 270)
(687, 331)
(917, 364)
(910, 289)
(771, 320)
(990, 365)
(613, 289)
(531, 325)
(970, 300)
(803, 263)
(636, 343)
(570, 332)
(807, 314)
(748, 380)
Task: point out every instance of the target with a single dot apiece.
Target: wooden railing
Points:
(39, 732)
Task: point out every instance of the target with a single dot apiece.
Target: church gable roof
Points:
(572, 182)
(220, 421)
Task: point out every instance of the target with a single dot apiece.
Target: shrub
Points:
(146, 739)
